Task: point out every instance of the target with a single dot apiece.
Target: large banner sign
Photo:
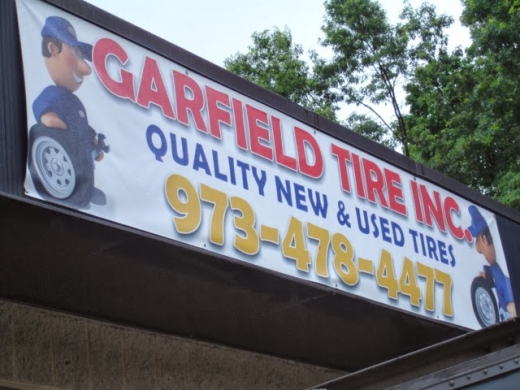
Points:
(121, 133)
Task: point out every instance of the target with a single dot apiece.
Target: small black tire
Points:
(484, 302)
(62, 170)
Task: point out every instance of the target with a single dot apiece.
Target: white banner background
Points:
(134, 182)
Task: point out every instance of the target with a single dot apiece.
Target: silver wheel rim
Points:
(485, 307)
(54, 167)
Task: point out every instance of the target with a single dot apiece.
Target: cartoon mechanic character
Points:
(492, 276)
(62, 145)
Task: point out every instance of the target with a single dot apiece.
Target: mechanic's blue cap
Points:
(478, 223)
(61, 29)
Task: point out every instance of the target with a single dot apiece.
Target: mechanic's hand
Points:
(51, 119)
(511, 309)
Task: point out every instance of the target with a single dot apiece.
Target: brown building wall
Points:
(42, 349)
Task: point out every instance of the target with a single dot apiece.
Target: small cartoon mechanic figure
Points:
(484, 245)
(57, 107)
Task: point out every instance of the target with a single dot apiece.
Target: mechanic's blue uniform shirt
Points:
(502, 285)
(70, 110)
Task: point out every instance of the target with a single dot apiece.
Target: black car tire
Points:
(484, 302)
(62, 171)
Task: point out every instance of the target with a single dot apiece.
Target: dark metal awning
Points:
(69, 261)
(485, 359)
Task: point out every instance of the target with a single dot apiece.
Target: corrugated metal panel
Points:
(13, 138)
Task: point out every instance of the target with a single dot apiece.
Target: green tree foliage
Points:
(464, 118)
(368, 127)
(440, 124)
(457, 112)
(274, 62)
(460, 125)
(495, 31)
(494, 27)
(374, 59)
